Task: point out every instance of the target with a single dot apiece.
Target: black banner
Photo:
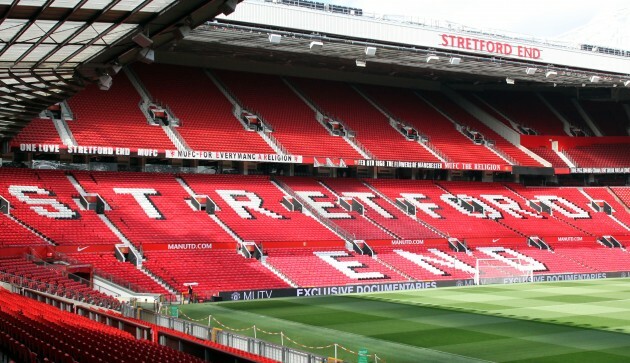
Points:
(247, 295)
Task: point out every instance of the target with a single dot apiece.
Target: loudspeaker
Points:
(104, 82)
(228, 7)
(142, 40)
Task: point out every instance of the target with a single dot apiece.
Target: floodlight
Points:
(315, 46)
(360, 63)
(530, 70)
(550, 73)
(626, 83)
(455, 60)
(432, 58)
(594, 79)
(104, 82)
(370, 51)
(509, 80)
(275, 38)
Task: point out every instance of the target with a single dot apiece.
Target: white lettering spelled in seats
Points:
(59, 210)
(253, 202)
(141, 195)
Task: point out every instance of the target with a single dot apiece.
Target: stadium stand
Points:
(305, 266)
(442, 133)
(122, 273)
(610, 117)
(45, 333)
(565, 106)
(38, 131)
(13, 234)
(212, 270)
(571, 206)
(602, 155)
(114, 119)
(151, 208)
(462, 117)
(623, 193)
(526, 109)
(342, 103)
(45, 202)
(550, 156)
(207, 120)
(378, 210)
(316, 194)
(443, 215)
(51, 279)
(293, 121)
(250, 206)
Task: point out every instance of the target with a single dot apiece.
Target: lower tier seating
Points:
(43, 333)
(329, 267)
(122, 273)
(212, 270)
(51, 280)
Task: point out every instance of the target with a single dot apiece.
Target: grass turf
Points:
(577, 321)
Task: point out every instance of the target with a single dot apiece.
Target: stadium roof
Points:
(49, 49)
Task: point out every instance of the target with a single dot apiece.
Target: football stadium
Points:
(307, 182)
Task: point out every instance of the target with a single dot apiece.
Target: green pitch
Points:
(578, 321)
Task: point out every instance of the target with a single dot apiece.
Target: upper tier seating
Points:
(38, 131)
(409, 108)
(623, 193)
(213, 270)
(352, 222)
(264, 218)
(389, 216)
(12, 234)
(114, 119)
(64, 223)
(526, 109)
(464, 118)
(304, 267)
(122, 273)
(528, 224)
(601, 155)
(581, 215)
(452, 222)
(341, 102)
(162, 215)
(550, 156)
(293, 122)
(51, 280)
(567, 109)
(609, 117)
(43, 333)
(207, 122)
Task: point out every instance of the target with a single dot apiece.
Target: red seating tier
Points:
(293, 121)
(601, 155)
(38, 131)
(341, 102)
(81, 227)
(526, 109)
(207, 122)
(453, 222)
(114, 119)
(550, 156)
(51, 280)
(609, 117)
(304, 267)
(12, 234)
(464, 118)
(213, 270)
(171, 220)
(122, 273)
(270, 222)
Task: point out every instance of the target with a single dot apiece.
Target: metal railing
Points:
(204, 331)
